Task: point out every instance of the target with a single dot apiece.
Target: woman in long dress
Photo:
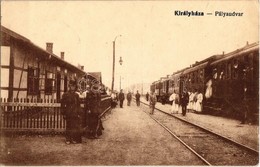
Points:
(199, 102)
(174, 99)
(190, 104)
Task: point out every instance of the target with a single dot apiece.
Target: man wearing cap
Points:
(70, 108)
(184, 100)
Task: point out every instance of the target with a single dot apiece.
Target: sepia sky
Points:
(154, 41)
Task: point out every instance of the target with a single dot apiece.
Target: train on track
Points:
(229, 82)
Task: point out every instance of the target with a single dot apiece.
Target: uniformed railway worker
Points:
(70, 108)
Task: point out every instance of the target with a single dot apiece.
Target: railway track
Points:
(211, 148)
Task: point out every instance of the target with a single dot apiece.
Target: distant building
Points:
(28, 71)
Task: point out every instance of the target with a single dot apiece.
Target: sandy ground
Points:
(130, 138)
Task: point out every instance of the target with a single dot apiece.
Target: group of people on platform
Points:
(81, 112)
(121, 97)
(186, 101)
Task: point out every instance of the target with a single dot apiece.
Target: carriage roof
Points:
(245, 50)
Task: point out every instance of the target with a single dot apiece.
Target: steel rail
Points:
(210, 131)
(193, 151)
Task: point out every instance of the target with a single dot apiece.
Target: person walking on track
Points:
(71, 111)
(152, 102)
(121, 98)
(129, 98)
(137, 97)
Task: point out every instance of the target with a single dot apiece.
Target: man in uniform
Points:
(70, 108)
(121, 98)
(137, 97)
(184, 100)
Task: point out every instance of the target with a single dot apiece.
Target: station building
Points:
(28, 71)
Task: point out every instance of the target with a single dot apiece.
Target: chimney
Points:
(49, 47)
(62, 55)
(82, 67)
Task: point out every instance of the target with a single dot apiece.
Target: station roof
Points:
(46, 53)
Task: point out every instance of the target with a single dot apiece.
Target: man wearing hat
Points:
(121, 98)
(93, 105)
(70, 108)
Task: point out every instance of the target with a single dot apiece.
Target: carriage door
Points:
(58, 86)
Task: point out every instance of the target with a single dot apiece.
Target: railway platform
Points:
(245, 134)
(130, 137)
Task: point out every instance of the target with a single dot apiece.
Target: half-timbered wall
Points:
(27, 70)
(5, 62)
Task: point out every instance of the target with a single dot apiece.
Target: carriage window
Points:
(201, 75)
(229, 70)
(189, 78)
(215, 73)
(246, 59)
(235, 69)
(33, 81)
(222, 72)
(195, 79)
(192, 77)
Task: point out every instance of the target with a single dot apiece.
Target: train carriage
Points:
(235, 79)
(228, 82)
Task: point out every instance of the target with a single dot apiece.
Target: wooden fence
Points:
(37, 114)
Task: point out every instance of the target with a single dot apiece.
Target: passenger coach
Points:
(228, 82)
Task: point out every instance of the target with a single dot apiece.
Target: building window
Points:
(33, 81)
(49, 83)
(65, 84)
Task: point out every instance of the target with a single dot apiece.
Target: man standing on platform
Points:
(129, 98)
(93, 101)
(147, 96)
(137, 97)
(184, 100)
(71, 111)
(153, 101)
(121, 98)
